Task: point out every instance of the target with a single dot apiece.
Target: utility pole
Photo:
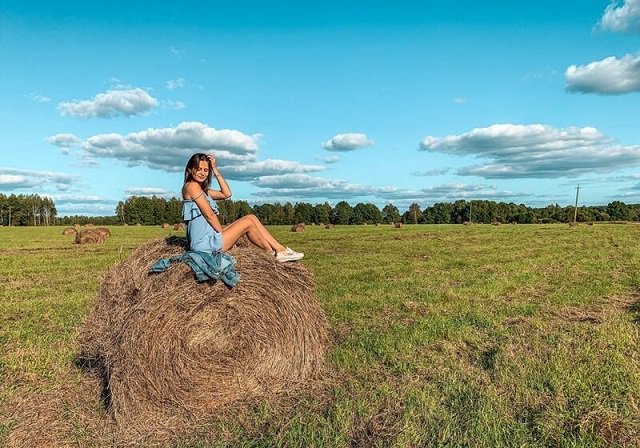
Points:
(575, 209)
(470, 205)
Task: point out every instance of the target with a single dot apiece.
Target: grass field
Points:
(441, 335)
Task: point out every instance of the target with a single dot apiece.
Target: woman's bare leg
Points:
(265, 234)
(255, 231)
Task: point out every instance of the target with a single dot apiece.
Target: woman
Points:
(204, 231)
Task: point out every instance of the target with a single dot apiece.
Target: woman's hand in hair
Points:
(212, 160)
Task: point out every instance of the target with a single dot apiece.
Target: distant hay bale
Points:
(125, 224)
(70, 231)
(398, 225)
(320, 224)
(377, 224)
(90, 236)
(103, 230)
(298, 227)
(590, 223)
(139, 224)
(165, 225)
(496, 223)
(88, 226)
(179, 226)
(329, 226)
(466, 223)
(175, 351)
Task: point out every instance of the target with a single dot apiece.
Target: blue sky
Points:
(363, 101)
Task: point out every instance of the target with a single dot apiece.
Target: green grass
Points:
(442, 335)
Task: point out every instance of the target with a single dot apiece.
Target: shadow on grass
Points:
(96, 368)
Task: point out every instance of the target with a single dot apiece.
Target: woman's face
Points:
(201, 173)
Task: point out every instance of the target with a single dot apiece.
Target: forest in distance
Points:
(28, 210)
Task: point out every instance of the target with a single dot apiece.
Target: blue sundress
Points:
(200, 235)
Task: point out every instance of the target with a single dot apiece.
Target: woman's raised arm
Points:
(225, 191)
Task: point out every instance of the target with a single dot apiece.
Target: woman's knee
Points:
(253, 218)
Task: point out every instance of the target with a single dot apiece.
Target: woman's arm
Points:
(194, 191)
(225, 191)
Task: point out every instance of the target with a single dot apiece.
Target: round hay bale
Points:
(89, 226)
(398, 225)
(171, 349)
(139, 225)
(165, 225)
(298, 227)
(466, 223)
(179, 226)
(90, 236)
(496, 223)
(103, 230)
(70, 231)
(329, 226)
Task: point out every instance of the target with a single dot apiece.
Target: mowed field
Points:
(512, 335)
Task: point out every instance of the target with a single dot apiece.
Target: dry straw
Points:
(90, 236)
(172, 351)
(103, 230)
(298, 227)
(70, 231)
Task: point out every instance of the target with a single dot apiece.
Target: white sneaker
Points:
(289, 255)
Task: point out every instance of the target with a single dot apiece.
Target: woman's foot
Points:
(288, 255)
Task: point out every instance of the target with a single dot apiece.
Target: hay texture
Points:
(171, 350)
(398, 225)
(103, 230)
(90, 236)
(298, 227)
(179, 226)
(70, 231)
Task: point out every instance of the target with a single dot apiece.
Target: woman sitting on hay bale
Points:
(204, 231)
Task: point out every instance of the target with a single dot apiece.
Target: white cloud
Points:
(621, 17)
(460, 100)
(433, 172)
(303, 186)
(609, 76)
(150, 191)
(64, 140)
(39, 98)
(177, 105)
(347, 142)
(328, 160)
(80, 199)
(169, 149)
(521, 151)
(269, 167)
(127, 102)
(16, 179)
(175, 83)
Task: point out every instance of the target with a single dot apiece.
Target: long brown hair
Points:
(194, 164)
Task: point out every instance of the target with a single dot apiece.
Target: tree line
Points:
(22, 210)
(27, 210)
